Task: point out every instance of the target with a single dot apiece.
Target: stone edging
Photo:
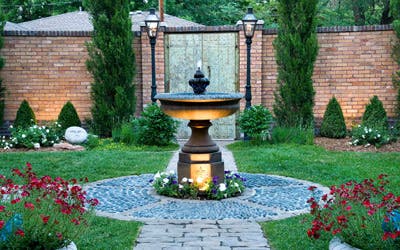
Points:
(337, 244)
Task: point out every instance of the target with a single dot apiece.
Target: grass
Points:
(108, 162)
(314, 164)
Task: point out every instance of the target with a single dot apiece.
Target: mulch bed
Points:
(344, 145)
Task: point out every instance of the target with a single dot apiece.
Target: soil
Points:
(344, 145)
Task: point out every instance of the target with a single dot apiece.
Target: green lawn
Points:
(314, 164)
(104, 233)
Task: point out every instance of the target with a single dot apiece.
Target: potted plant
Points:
(41, 212)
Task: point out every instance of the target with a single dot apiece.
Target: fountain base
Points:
(200, 158)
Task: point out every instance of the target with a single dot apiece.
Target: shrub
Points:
(256, 122)
(92, 141)
(292, 135)
(154, 127)
(2, 89)
(33, 137)
(41, 212)
(296, 50)
(375, 115)
(363, 135)
(333, 125)
(361, 212)
(25, 116)
(68, 116)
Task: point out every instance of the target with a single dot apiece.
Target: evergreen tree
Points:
(296, 50)
(375, 115)
(2, 89)
(112, 64)
(25, 116)
(395, 7)
(333, 125)
(68, 116)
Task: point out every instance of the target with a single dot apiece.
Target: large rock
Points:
(75, 135)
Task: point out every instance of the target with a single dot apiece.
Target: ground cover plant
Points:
(107, 161)
(321, 166)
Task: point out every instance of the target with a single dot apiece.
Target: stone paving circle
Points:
(267, 197)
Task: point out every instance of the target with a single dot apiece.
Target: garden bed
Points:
(344, 145)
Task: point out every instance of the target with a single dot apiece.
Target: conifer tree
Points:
(395, 8)
(25, 116)
(2, 89)
(112, 64)
(333, 125)
(375, 115)
(68, 116)
(296, 50)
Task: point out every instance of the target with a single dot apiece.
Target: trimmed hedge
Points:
(25, 116)
(333, 125)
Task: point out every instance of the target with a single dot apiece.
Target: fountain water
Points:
(200, 158)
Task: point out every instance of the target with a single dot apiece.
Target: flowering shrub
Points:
(41, 212)
(33, 137)
(362, 135)
(362, 213)
(167, 184)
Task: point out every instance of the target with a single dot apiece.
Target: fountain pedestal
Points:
(200, 156)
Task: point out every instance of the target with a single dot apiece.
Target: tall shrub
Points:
(68, 116)
(25, 116)
(333, 125)
(395, 8)
(296, 50)
(2, 89)
(112, 64)
(375, 115)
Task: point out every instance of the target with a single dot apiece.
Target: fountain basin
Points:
(192, 106)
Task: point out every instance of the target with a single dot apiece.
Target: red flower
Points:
(94, 202)
(15, 201)
(45, 218)
(25, 193)
(75, 221)
(2, 208)
(59, 235)
(348, 208)
(312, 188)
(336, 231)
(20, 232)
(324, 197)
(29, 205)
(1, 224)
(341, 219)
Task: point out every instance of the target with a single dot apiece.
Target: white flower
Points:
(171, 172)
(222, 187)
(236, 185)
(36, 145)
(47, 130)
(190, 180)
(370, 130)
(184, 179)
(11, 126)
(379, 135)
(180, 186)
(363, 136)
(156, 176)
(165, 180)
(23, 135)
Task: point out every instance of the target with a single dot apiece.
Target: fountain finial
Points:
(199, 83)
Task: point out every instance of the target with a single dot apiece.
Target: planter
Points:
(337, 244)
(71, 246)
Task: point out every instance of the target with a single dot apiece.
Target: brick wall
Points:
(352, 65)
(48, 69)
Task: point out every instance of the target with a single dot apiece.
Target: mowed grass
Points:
(104, 233)
(317, 165)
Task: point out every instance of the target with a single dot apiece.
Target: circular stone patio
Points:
(266, 197)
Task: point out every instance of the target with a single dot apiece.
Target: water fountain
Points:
(200, 158)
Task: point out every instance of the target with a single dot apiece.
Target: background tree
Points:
(395, 7)
(112, 64)
(2, 89)
(296, 50)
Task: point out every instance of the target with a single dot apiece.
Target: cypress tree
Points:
(395, 9)
(2, 89)
(25, 116)
(333, 125)
(296, 50)
(68, 116)
(112, 64)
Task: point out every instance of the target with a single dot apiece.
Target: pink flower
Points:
(2, 208)
(312, 188)
(15, 201)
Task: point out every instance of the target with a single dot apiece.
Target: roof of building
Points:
(80, 21)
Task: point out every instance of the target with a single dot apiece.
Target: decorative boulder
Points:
(75, 135)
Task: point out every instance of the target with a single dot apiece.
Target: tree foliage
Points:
(375, 115)
(333, 125)
(112, 64)
(395, 6)
(68, 116)
(296, 50)
(2, 89)
(26, 10)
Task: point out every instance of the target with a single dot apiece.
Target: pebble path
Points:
(188, 224)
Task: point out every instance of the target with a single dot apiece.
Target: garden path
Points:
(202, 234)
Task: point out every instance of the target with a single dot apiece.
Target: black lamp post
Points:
(249, 25)
(152, 22)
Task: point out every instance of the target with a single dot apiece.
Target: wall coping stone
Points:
(338, 29)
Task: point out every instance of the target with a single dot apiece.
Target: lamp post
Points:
(152, 23)
(249, 25)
